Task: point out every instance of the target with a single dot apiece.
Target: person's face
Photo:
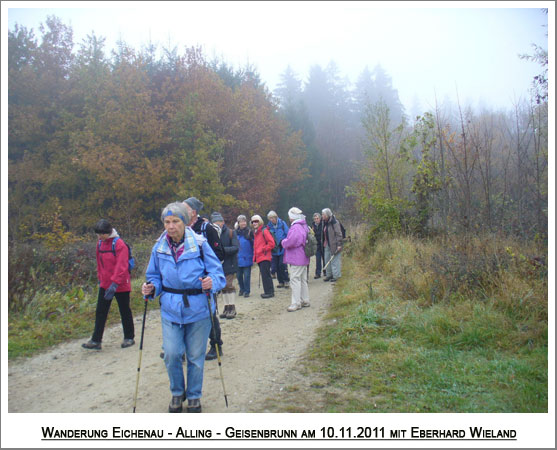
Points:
(220, 223)
(274, 220)
(242, 224)
(324, 217)
(255, 224)
(317, 220)
(174, 227)
(103, 236)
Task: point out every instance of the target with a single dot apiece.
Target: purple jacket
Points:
(294, 244)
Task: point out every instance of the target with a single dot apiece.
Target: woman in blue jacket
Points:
(279, 230)
(181, 268)
(245, 255)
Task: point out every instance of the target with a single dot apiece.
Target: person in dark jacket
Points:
(317, 227)
(245, 255)
(114, 281)
(212, 234)
(230, 244)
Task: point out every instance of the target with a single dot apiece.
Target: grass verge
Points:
(409, 332)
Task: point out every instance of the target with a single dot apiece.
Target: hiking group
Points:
(195, 261)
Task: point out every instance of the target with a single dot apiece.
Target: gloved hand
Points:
(109, 293)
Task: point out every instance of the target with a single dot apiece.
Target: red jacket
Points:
(111, 268)
(263, 243)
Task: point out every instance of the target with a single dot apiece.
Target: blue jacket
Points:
(184, 274)
(245, 254)
(279, 232)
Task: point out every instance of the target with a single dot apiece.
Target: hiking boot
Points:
(225, 312)
(327, 278)
(287, 285)
(176, 403)
(92, 345)
(231, 312)
(212, 353)
(194, 406)
(316, 277)
(305, 304)
(267, 295)
(246, 294)
(127, 343)
(292, 308)
(241, 293)
(280, 285)
(332, 280)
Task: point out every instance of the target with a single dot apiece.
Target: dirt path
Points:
(261, 348)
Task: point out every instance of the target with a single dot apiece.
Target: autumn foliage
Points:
(119, 137)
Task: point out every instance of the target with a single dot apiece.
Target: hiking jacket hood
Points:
(263, 243)
(185, 273)
(113, 268)
(295, 243)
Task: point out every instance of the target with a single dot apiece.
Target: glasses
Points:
(255, 221)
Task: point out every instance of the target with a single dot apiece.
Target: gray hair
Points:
(316, 215)
(177, 209)
(242, 217)
(271, 214)
(327, 212)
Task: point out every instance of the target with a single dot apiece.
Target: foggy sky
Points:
(428, 51)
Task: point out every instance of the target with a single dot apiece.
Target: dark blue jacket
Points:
(279, 232)
(245, 254)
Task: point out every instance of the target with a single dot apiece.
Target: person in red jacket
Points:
(114, 281)
(263, 244)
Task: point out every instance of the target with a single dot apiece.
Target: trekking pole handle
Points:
(150, 295)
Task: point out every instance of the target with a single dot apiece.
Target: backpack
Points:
(131, 259)
(311, 244)
(343, 231)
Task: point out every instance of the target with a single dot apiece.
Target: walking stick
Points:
(207, 293)
(328, 263)
(146, 298)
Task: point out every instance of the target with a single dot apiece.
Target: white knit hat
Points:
(295, 213)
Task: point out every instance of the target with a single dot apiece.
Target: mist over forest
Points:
(120, 133)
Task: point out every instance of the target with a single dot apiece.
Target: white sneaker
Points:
(292, 308)
(305, 304)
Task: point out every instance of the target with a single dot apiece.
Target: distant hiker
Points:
(210, 232)
(294, 255)
(317, 227)
(245, 255)
(114, 281)
(279, 230)
(332, 244)
(229, 242)
(263, 244)
(179, 260)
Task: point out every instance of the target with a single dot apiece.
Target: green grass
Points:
(477, 349)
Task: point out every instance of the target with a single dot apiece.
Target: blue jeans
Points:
(244, 278)
(190, 338)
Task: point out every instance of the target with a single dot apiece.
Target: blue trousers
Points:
(190, 338)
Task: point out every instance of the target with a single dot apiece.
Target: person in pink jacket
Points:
(295, 256)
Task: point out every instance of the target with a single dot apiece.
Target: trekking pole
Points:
(328, 263)
(146, 298)
(208, 294)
